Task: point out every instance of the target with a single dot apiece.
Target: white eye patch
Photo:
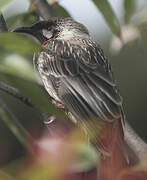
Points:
(47, 34)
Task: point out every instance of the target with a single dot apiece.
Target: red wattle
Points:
(46, 42)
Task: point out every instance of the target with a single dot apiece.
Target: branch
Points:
(138, 146)
(44, 9)
(15, 93)
(3, 26)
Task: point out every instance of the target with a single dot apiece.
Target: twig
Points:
(44, 9)
(3, 26)
(15, 93)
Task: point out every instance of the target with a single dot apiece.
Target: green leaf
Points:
(37, 96)
(13, 167)
(109, 16)
(5, 176)
(17, 65)
(13, 124)
(4, 3)
(86, 158)
(19, 43)
(39, 171)
(142, 27)
(60, 11)
(129, 8)
(24, 19)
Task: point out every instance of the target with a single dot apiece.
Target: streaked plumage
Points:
(76, 73)
(86, 79)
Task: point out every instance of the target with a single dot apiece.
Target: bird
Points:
(77, 74)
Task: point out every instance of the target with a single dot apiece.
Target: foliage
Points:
(109, 16)
(23, 44)
(129, 7)
(4, 3)
(44, 159)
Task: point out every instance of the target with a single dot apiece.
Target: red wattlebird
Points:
(76, 74)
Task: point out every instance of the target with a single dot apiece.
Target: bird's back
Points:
(80, 77)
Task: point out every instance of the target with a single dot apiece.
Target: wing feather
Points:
(86, 86)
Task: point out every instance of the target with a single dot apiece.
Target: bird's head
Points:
(55, 28)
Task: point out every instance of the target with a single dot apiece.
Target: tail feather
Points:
(115, 153)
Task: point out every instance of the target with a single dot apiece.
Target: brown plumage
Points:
(76, 73)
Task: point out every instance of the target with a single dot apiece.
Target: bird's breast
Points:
(48, 77)
(50, 88)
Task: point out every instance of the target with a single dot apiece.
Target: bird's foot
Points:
(58, 104)
(48, 119)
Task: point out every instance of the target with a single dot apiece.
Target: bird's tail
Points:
(115, 153)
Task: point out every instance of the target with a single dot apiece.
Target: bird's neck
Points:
(71, 35)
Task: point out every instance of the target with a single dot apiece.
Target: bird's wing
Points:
(82, 80)
(86, 85)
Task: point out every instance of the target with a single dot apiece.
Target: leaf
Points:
(109, 16)
(19, 43)
(143, 36)
(129, 8)
(17, 65)
(5, 176)
(24, 19)
(60, 11)
(9, 90)
(86, 158)
(32, 90)
(39, 171)
(13, 124)
(4, 3)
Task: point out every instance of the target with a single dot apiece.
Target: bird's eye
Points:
(49, 29)
(47, 33)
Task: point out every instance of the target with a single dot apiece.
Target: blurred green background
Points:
(126, 52)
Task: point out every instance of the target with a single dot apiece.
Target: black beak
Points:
(36, 29)
(28, 30)
(32, 31)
